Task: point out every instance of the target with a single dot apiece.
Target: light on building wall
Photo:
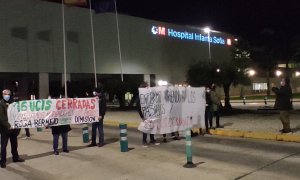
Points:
(229, 42)
(162, 83)
(297, 73)
(207, 31)
(278, 73)
(251, 72)
(236, 40)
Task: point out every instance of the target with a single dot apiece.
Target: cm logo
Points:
(158, 30)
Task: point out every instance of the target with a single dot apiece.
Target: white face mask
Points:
(282, 83)
(6, 97)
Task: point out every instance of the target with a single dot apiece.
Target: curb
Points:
(229, 133)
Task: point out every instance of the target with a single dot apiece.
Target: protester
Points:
(216, 102)
(208, 112)
(152, 139)
(283, 103)
(6, 132)
(63, 131)
(99, 125)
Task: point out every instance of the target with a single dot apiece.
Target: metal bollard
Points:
(265, 99)
(188, 149)
(85, 133)
(244, 100)
(123, 137)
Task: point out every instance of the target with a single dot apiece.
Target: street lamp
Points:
(251, 72)
(208, 30)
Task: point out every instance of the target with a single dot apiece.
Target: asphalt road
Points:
(215, 158)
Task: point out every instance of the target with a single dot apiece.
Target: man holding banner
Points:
(99, 124)
(6, 131)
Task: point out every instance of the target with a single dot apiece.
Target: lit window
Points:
(259, 86)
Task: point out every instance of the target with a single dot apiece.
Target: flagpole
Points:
(93, 43)
(119, 43)
(64, 46)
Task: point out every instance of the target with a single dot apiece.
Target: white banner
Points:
(171, 109)
(53, 112)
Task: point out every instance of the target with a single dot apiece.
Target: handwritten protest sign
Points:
(171, 109)
(52, 112)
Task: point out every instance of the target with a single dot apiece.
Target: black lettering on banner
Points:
(151, 104)
(84, 119)
(175, 95)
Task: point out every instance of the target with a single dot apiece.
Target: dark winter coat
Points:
(4, 125)
(283, 98)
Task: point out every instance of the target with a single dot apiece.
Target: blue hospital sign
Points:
(187, 35)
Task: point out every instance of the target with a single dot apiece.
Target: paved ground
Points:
(216, 157)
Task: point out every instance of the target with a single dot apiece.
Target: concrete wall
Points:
(31, 41)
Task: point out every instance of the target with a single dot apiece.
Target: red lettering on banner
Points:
(58, 106)
(70, 103)
(93, 103)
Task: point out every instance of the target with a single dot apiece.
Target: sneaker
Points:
(145, 145)
(92, 145)
(66, 151)
(26, 138)
(100, 145)
(155, 143)
(176, 138)
(18, 160)
(3, 165)
(285, 130)
(56, 152)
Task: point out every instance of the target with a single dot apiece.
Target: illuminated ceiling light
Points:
(218, 70)
(297, 73)
(278, 73)
(162, 83)
(236, 40)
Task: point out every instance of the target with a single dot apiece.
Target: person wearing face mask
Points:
(99, 125)
(283, 103)
(6, 132)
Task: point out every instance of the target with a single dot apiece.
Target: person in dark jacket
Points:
(283, 103)
(6, 132)
(63, 131)
(99, 125)
(208, 113)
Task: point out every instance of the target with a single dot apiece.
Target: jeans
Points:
(64, 141)
(99, 126)
(14, 145)
(208, 118)
(27, 132)
(285, 120)
(152, 140)
(217, 115)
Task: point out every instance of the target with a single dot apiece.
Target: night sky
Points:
(245, 18)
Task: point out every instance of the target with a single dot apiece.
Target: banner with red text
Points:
(169, 109)
(52, 112)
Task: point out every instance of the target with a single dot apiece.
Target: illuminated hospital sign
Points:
(185, 35)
